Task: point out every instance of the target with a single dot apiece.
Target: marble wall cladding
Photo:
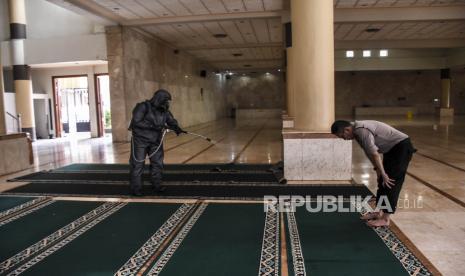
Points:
(142, 65)
(14, 155)
(392, 110)
(396, 88)
(117, 83)
(259, 91)
(293, 159)
(246, 114)
(317, 159)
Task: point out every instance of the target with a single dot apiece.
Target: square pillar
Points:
(446, 112)
(316, 157)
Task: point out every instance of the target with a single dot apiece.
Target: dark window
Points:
(8, 80)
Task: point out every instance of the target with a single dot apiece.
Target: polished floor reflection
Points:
(431, 209)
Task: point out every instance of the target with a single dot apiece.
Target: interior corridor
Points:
(431, 204)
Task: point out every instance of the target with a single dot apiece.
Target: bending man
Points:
(149, 119)
(379, 138)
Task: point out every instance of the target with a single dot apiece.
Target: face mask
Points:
(165, 105)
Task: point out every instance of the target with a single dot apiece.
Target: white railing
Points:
(16, 120)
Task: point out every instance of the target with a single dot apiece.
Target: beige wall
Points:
(384, 88)
(138, 66)
(42, 84)
(256, 91)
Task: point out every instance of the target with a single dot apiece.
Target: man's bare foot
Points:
(378, 222)
(371, 215)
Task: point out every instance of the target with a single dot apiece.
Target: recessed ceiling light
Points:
(372, 30)
(220, 35)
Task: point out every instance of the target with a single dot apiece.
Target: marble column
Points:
(445, 110)
(311, 152)
(2, 99)
(313, 64)
(288, 118)
(116, 71)
(21, 71)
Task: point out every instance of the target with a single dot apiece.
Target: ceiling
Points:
(254, 29)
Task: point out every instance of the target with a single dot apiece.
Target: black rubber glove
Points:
(179, 131)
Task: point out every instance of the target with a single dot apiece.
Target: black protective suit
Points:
(149, 119)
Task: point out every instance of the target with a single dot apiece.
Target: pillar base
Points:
(31, 131)
(316, 156)
(288, 122)
(446, 112)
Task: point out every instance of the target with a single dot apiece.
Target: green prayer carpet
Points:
(341, 244)
(226, 240)
(107, 246)
(25, 231)
(7, 202)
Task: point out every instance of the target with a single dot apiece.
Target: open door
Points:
(71, 105)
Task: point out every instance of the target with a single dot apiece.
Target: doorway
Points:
(72, 113)
(102, 96)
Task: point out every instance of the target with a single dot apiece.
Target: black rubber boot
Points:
(158, 188)
(136, 192)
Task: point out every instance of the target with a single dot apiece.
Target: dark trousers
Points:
(137, 168)
(395, 164)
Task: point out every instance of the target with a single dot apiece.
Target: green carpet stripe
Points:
(59, 234)
(290, 256)
(168, 253)
(21, 207)
(7, 202)
(109, 244)
(65, 241)
(341, 244)
(93, 167)
(298, 266)
(226, 240)
(26, 211)
(150, 247)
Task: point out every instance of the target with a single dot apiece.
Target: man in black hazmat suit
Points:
(149, 119)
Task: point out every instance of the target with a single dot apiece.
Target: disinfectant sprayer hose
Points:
(161, 143)
(153, 153)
